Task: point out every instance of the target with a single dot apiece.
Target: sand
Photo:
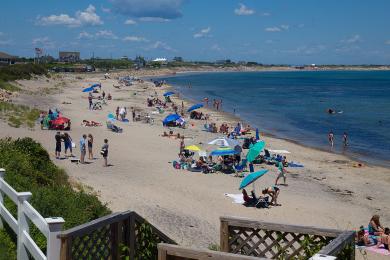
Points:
(327, 192)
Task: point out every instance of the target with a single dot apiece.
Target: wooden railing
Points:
(114, 236)
(270, 240)
(49, 227)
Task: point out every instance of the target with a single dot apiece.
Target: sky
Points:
(266, 31)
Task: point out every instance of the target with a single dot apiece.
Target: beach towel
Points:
(381, 250)
(293, 164)
(279, 151)
(237, 198)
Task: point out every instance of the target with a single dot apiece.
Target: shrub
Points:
(21, 71)
(29, 168)
(7, 246)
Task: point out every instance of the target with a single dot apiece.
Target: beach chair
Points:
(240, 167)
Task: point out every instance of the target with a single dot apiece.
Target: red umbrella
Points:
(60, 121)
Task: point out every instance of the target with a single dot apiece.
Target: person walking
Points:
(90, 146)
(104, 152)
(90, 101)
(182, 145)
(133, 113)
(103, 94)
(281, 172)
(68, 144)
(345, 139)
(117, 113)
(83, 148)
(331, 138)
(58, 139)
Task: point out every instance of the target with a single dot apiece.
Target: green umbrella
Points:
(254, 151)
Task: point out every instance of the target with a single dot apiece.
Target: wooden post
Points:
(162, 253)
(224, 236)
(132, 235)
(115, 240)
(53, 242)
(64, 249)
(22, 224)
(2, 174)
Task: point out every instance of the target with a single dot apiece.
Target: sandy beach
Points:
(328, 192)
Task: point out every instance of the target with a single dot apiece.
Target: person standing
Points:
(83, 148)
(58, 139)
(281, 172)
(133, 113)
(90, 146)
(68, 144)
(117, 113)
(104, 152)
(331, 138)
(103, 94)
(182, 145)
(345, 139)
(90, 101)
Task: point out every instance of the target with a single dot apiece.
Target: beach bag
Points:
(73, 145)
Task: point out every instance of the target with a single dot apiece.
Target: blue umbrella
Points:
(257, 134)
(170, 118)
(88, 89)
(194, 107)
(250, 178)
(169, 93)
(223, 151)
(96, 85)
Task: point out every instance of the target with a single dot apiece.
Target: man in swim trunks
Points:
(58, 138)
(281, 172)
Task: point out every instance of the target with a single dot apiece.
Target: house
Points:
(69, 56)
(6, 59)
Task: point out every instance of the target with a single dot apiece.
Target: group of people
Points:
(262, 201)
(121, 113)
(374, 234)
(331, 139)
(86, 144)
(217, 104)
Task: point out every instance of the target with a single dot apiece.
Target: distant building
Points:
(6, 59)
(162, 60)
(124, 57)
(140, 62)
(69, 56)
(178, 59)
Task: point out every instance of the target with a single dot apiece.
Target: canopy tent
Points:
(60, 121)
(194, 107)
(223, 141)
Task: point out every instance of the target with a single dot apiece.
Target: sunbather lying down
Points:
(90, 123)
(253, 201)
(171, 135)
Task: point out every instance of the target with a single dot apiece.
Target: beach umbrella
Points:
(252, 177)
(257, 134)
(254, 151)
(222, 141)
(96, 85)
(193, 148)
(169, 93)
(194, 107)
(223, 151)
(88, 89)
(170, 118)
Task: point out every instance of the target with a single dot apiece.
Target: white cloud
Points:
(134, 39)
(161, 46)
(130, 22)
(85, 35)
(354, 39)
(43, 42)
(81, 18)
(283, 27)
(106, 34)
(153, 19)
(243, 10)
(203, 33)
(272, 29)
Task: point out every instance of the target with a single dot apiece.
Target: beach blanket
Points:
(381, 250)
(279, 151)
(293, 164)
(237, 198)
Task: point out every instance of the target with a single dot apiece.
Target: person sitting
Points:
(165, 134)
(273, 192)
(363, 239)
(109, 97)
(384, 239)
(248, 200)
(374, 227)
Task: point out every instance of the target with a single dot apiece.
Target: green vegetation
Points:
(8, 86)
(7, 246)
(21, 71)
(111, 64)
(18, 115)
(29, 168)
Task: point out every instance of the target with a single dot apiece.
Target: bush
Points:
(29, 168)
(21, 71)
(7, 246)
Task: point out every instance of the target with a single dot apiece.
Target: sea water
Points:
(293, 105)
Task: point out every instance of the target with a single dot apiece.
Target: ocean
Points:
(293, 105)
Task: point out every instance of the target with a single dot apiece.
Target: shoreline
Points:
(232, 117)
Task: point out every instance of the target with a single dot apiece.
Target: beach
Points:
(329, 191)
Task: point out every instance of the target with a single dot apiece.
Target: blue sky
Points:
(268, 31)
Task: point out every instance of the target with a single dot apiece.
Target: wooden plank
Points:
(200, 254)
(337, 244)
(245, 222)
(92, 225)
(162, 253)
(36, 218)
(224, 236)
(7, 216)
(64, 249)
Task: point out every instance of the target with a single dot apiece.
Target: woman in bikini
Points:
(375, 227)
(384, 239)
(273, 192)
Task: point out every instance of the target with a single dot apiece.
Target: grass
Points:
(8, 86)
(18, 115)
